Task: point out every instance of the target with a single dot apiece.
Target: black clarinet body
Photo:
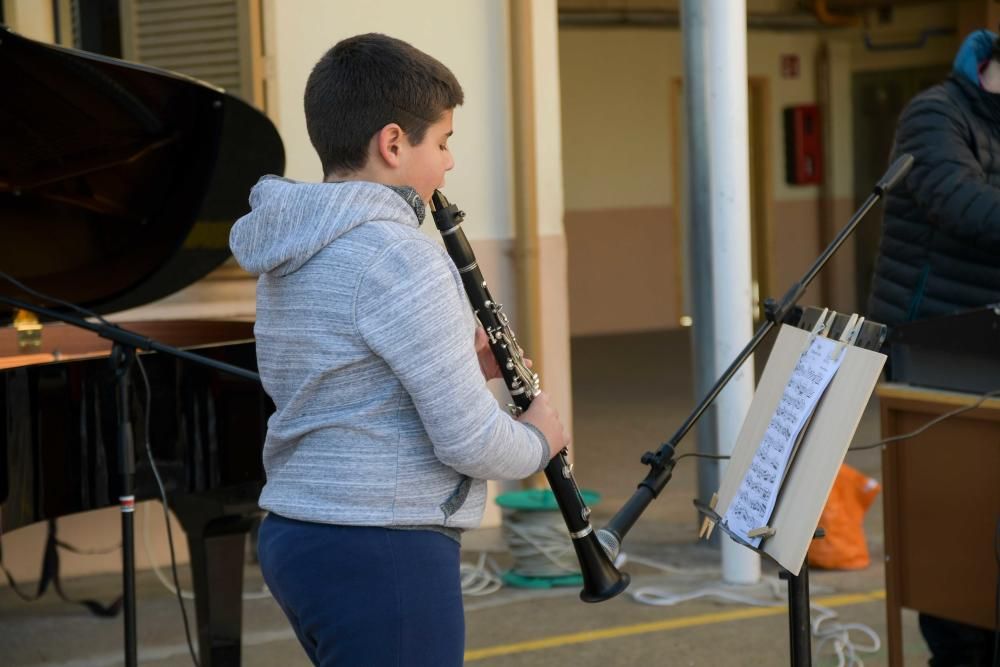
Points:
(601, 580)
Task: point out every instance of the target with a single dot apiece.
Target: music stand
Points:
(813, 461)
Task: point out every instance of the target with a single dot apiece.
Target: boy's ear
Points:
(389, 142)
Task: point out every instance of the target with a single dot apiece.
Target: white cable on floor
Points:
(839, 635)
(672, 569)
(539, 543)
(187, 595)
(481, 578)
(836, 634)
(540, 547)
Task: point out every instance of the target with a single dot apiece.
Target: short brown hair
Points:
(366, 82)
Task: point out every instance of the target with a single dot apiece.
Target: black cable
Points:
(62, 545)
(714, 457)
(936, 420)
(45, 297)
(87, 552)
(896, 438)
(13, 585)
(149, 452)
(166, 513)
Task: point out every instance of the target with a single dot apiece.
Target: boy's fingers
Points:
(481, 340)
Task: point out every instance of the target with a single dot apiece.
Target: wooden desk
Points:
(941, 508)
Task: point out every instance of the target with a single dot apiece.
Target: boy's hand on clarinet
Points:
(544, 417)
(487, 361)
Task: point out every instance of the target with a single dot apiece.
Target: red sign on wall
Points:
(789, 66)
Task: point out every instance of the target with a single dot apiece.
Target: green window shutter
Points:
(216, 41)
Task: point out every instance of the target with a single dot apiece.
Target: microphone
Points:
(610, 543)
(897, 170)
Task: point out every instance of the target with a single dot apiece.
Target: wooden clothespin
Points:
(845, 337)
(707, 524)
(856, 331)
(763, 531)
(820, 328)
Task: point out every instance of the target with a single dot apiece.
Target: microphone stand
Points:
(123, 353)
(662, 462)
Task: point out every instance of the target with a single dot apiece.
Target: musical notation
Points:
(755, 498)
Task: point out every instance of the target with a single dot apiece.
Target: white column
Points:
(715, 71)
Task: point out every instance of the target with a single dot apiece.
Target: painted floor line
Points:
(661, 626)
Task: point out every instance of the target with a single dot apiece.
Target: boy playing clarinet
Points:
(384, 431)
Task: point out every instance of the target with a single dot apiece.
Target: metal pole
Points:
(799, 627)
(122, 358)
(718, 197)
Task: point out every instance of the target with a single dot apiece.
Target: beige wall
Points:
(471, 38)
(631, 257)
(30, 18)
(617, 115)
(619, 158)
(619, 164)
(975, 14)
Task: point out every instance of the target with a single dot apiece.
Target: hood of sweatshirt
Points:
(290, 221)
(975, 50)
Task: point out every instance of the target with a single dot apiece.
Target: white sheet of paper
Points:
(754, 502)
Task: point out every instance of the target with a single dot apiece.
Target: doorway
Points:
(878, 98)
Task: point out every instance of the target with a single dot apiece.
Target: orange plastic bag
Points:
(844, 547)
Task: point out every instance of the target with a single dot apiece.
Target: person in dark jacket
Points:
(940, 248)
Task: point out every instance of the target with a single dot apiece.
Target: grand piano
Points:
(118, 186)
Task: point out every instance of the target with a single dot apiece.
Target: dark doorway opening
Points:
(879, 97)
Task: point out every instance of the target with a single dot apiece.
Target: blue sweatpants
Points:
(366, 596)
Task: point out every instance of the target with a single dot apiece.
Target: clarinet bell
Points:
(601, 580)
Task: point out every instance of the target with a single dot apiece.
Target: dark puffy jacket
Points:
(940, 249)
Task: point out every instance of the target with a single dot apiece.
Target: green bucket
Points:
(536, 500)
(540, 500)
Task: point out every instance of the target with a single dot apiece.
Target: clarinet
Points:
(601, 580)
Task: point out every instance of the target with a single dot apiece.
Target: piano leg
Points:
(217, 542)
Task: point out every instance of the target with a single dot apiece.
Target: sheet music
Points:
(754, 501)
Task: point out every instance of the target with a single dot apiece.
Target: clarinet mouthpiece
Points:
(438, 201)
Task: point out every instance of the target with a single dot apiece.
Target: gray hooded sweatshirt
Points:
(365, 345)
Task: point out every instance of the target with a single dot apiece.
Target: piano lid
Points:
(118, 182)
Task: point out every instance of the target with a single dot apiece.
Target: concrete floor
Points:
(630, 393)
